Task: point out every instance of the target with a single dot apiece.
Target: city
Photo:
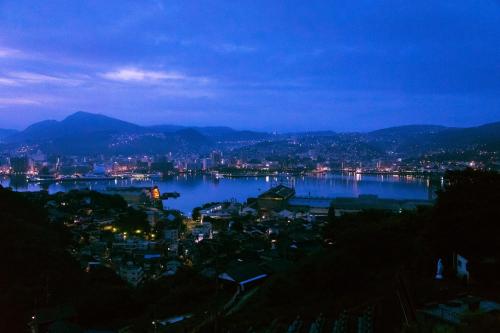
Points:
(295, 167)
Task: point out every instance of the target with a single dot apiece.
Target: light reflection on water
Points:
(199, 189)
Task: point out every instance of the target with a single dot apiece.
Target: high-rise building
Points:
(216, 157)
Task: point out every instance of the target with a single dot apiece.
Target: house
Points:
(243, 275)
(286, 214)
(171, 217)
(171, 267)
(202, 231)
(131, 273)
(248, 211)
(153, 216)
(171, 234)
(223, 210)
(314, 205)
(453, 310)
(133, 244)
(212, 209)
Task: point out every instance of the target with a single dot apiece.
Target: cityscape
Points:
(249, 167)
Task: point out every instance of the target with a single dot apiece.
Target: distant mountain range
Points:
(424, 139)
(88, 133)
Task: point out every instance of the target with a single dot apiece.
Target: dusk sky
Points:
(266, 65)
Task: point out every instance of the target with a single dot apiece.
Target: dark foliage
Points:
(132, 220)
(37, 271)
(467, 214)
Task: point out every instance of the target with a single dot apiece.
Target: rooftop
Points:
(280, 191)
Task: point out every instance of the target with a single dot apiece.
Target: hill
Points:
(487, 136)
(88, 133)
(77, 124)
(416, 140)
(216, 133)
(6, 132)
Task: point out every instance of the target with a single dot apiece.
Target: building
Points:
(452, 311)
(202, 231)
(216, 157)
(172, 267)
(345, 205)
(206, 164)
(275, 199)
(132, 273)
(171, 236)
(221, 210)
(132, 244)
(153, 215)
(248, 211)
(313, 205)
(243, 274)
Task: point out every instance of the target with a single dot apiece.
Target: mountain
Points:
(6, 132)
(415, 140)
(408, 139)
(227, 134)
(407, 131)
(88, 133)
(165, 128)
(216, 133)
(487, 136)
(75, 125)
(38, 131)
(84, 122)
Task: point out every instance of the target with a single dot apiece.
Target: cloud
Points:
(162, 83)
(233, 48)
(138, 75)
(16, 101)
(9, 53)
(214, 46)
(5, 81)
(31, 101)
(28, 78)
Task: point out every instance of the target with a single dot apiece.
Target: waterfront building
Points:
(206, 164)
(216, 157)
(275, 199)
(343, 205)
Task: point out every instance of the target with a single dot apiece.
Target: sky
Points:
(263, 65)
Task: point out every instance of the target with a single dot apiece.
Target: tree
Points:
(331, 214)
(196, 213)
(466, 214)
(38, 272)
(132, 220)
